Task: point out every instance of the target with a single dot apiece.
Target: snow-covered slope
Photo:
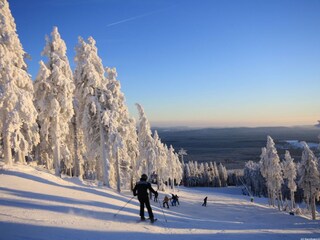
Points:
(35, 204)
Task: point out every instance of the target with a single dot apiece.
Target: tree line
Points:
(207, 174)
(286, 179)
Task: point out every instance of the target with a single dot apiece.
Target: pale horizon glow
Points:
(228, 64)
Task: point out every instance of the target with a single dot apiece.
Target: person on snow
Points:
(177, 199)
(155, 198)
(165, 201)
(173, 200)
(141, 190)
(205, 202)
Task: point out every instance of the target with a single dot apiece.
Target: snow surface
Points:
(35, 204)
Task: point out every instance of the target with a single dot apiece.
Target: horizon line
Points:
(240, 126)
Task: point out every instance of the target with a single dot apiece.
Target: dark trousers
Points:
(165, 203)
(145, 201)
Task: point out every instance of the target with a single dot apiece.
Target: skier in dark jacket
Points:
(141, 190)
(205, 202)
(173, 200)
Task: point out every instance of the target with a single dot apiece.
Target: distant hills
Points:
(234, 146)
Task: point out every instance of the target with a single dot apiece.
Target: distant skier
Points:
(155, 199)
(173, 200)
(205, 202)
(177, 199)
(141, 189)
(166, 201)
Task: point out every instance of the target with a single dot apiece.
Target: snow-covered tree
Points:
(217, 181)
(206, 174)
(187, 175)
(147, 155)
(223, 174)
(161, 160)
(203, 174)
(178, 170)
(211, 173)
(78, 143)
(54, 87)
(253, 178)
(310, 177)
(91, 94)
(172, 173)
(125, 144)
(290, 173)
(168, 172)
(172, 165)
(17, 112)
(271, 171)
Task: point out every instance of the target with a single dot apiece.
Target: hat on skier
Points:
(144, 177)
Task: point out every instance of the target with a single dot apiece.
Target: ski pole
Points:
(163, 212)
(123, 207)
(251, 196)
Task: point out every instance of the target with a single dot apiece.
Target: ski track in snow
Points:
(34, 204)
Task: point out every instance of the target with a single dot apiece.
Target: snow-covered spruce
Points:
(147, 156)
(17, 112)
(253, 179)
(91, 94)
(54, 87)
(290, 173)
(154, 157)
(310, 177)
(271, 171)
(122, 135)
(109, 132)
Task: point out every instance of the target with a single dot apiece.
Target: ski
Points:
(147, 219)
(154, 220)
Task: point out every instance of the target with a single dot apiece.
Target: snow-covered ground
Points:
(35, 204)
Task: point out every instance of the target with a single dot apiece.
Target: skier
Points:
(173, 200)
(165, 201)
(141, 189)
(177, 199)
(205, 202)
(155, 198)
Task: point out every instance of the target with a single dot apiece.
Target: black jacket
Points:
(141, 189)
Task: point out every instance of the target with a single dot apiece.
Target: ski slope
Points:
(34, 204)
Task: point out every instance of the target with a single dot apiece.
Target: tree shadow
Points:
(87, 189)
(14, 231)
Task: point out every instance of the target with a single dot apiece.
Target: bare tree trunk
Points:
(133, 173)
(292, 200)
(312, 203)
(20, 157)
(104, 158)
(56, 147)
(313, 207)
(158, 181)
(269, 197)
(118, 172)
(279, 200)
(76, 161)
(37, 157)
(272, 199)
(6, 145)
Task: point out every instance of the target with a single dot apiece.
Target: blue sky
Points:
(195, 62)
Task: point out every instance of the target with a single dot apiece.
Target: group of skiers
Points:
(174, 200)
(141, 190)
